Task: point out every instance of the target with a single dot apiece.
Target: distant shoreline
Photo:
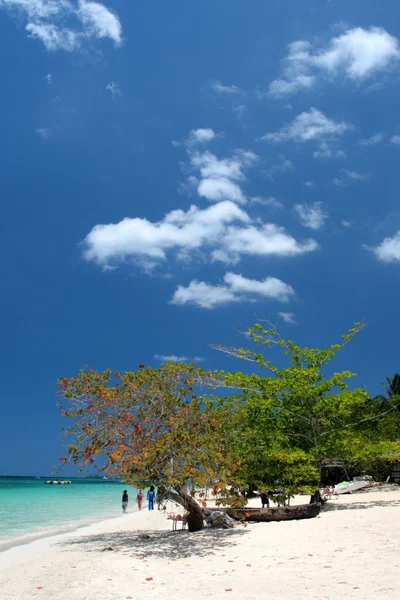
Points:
(35, 537)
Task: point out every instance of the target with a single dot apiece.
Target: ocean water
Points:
(30, 509)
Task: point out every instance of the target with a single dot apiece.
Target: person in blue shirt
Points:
(150, 497)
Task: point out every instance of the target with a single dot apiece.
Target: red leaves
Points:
(141, 366)
(135, 461)
(138, 428)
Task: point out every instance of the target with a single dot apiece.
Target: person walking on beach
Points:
(125, 500)
(264, 498)
(150, 498)
(139, 499)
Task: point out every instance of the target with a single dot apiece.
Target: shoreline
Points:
(351, 549)
(63, 530)
(48, 541)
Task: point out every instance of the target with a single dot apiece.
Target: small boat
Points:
(346, 487)
(267, 515)
(57, 482)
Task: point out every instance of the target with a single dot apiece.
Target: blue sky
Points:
(170, 170)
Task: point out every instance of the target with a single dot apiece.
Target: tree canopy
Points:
(279, 427)
(297, 418)
(150, 426)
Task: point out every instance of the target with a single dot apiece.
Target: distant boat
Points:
(57, 482)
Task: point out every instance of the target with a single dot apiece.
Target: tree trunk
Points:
(316, 497)
(195, 519)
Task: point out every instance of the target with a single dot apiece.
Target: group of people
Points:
(139, 499)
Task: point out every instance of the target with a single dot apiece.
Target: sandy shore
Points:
(351, 550)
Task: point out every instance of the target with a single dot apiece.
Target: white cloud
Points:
(54, 22)
(236, 288)
(217, 86)
(395, 139)
(178, 358)
(114, 89)
(265, 240)
(356, 53)
(348, 177)
(197, 137)
(326, 150)
(231, 168)
(311, 215)
(347, 224)
(222, 231)
(288, 317)
(309, 126)
(43, 132)
(355, 175)
(374, 139)
(48, 78)
(201, 136)
(99, 21)
(219, 177)
(308, 184)
(285, 87)
(53, 37)
(217, 189)
(389, 249)
(269, 202)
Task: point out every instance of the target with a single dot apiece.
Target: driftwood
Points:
(266, 515)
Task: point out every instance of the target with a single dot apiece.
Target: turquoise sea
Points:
(30, 509)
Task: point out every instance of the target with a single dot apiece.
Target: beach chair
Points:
(182, 519)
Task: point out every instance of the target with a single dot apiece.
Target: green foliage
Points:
(297, 417)
(278, 430)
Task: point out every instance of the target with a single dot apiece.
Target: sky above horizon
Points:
(172, 173)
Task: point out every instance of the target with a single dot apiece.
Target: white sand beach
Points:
(351, 550)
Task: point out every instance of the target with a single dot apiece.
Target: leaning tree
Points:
(150, 426)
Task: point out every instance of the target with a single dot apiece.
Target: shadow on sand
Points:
(171, 545)
(335, 505)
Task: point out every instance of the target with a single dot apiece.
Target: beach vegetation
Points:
(300, 414)
(149, 426)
